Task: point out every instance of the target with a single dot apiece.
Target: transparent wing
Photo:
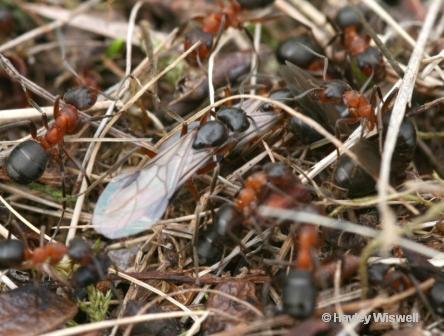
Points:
(134, 202)
(300, 81)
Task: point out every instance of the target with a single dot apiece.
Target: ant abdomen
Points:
(353, 178)
(300, 51)
(299, 294)
(27, 162)
(12, 253)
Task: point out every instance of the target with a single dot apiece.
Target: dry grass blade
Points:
(390, 231)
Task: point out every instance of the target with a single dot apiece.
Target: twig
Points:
(390, 231)
(82, 329)
(343, 225)
(32, 34)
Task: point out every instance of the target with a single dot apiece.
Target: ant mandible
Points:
(212, 25)
(28, 160)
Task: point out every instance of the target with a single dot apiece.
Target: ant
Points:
(357, 44)
(27, 161)
(358, 182)
(287, 191)
(299, 292)
(331, 92)
(15, 253)
(212, 26)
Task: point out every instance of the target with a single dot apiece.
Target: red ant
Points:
(212, 25)
(368, 59)
(28, 160)
(15, 253)
(286, 191)
(329, 92)
(299, 292)
(308, 239)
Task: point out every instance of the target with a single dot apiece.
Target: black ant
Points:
(359, 182)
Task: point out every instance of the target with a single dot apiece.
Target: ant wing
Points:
(299, 82)
(134, 202)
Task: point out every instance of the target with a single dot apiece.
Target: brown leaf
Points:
(33, 310)
(244, 291)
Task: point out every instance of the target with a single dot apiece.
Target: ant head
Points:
(226, 219)
(79, 250)
(279, 173)
(300, 50)
(80, 97)
(371, 62)
(348, 17)
(332, 91)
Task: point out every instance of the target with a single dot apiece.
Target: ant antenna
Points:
(367, 82)
(325, 70)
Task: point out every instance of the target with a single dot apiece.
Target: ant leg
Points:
(37, 107)
(219, 31)
(62, 171)
(78, 166)
(367, 83)
(184, 129)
